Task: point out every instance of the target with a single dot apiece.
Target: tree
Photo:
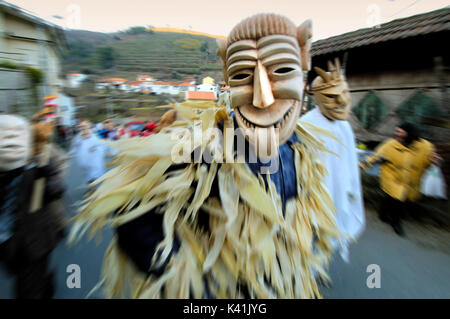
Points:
(136, 30)
(150, 29)
(176, 75)
(204, 47)
(87, 71)
(79, 50)
(107, 57)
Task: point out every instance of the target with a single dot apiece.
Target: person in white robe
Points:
(89, 153)
(343, 181)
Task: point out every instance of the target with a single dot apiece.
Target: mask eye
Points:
(330, 96)
(240, 76)
(283, 70)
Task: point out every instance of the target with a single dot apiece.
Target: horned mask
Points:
(15, 142)
(331, 92)
(263, 62)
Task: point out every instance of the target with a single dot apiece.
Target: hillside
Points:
(163, 55)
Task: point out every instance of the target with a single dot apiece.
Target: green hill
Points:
(163, 55)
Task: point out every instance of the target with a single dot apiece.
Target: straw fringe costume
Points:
(226, 227)
(246, 231)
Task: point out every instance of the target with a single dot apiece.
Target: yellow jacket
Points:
(401, 167)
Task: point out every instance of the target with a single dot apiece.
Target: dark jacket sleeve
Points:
(139, 239)
(54, 185)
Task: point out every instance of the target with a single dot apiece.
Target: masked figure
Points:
(245, 213)
(332, 97)
(29, 231)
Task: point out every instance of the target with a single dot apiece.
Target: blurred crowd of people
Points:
(34, 160)
(112, 131)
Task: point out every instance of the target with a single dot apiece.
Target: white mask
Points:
(15, 142)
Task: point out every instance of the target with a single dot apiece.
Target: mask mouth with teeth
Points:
(331, 92)
(264, 58)
(267, 133)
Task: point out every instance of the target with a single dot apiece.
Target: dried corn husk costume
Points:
(225, 228)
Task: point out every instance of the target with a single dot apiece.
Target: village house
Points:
(110, 84)
(144, 78)
(186, 86)
(26, 40)
(208, 80)
(200, 96)
(161, 87)
(131, 86)
(171, 87)
(74, 80)
(208, 86)
(146, 85)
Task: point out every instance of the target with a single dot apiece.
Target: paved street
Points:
(408, 269)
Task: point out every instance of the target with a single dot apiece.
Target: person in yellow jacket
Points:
(403, 160)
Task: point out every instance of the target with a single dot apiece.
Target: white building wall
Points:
(206, 88)
(76, 80)
(66, 108)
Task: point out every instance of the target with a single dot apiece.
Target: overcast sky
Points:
(330, 17)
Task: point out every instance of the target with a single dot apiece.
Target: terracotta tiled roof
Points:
(163, 83)
(139, 77)
(138, 83)
(199, 95)
(113, 80)
(185, 84)
(426, 23)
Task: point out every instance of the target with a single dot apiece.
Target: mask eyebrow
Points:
(241, 46)
(271, 39)
(277, 48)
(242, 55)
(239, 65)
(281, 58)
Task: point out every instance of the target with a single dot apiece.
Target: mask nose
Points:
(262, 90)
(342, 99)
